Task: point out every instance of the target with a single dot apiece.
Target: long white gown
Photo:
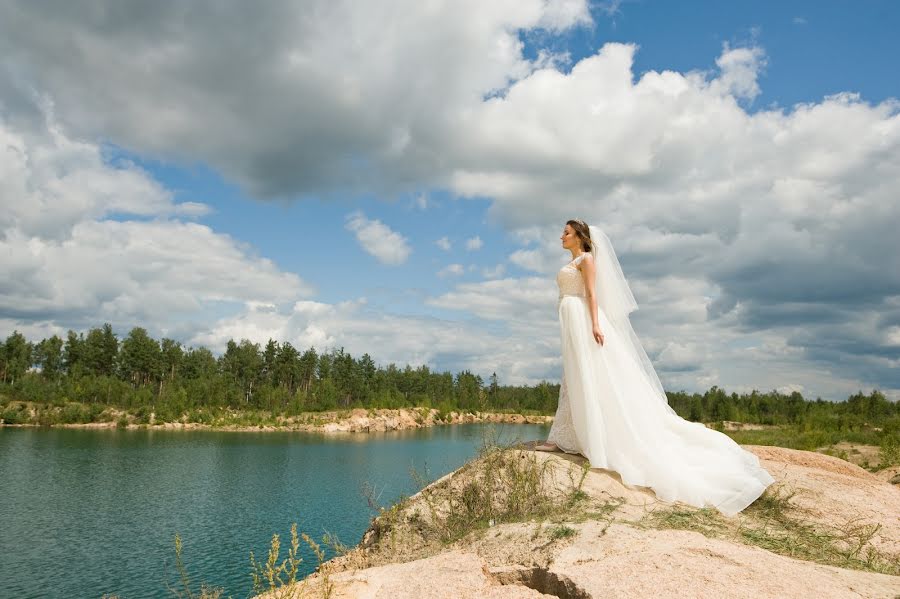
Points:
(609, 412)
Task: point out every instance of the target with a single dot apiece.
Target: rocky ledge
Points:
(336, 421)
(516, 523)
(389, 420)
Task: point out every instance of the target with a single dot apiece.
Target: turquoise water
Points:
(84, 513)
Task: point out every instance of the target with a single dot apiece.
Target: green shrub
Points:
(15, 413)
(890, 450)
(47, 416)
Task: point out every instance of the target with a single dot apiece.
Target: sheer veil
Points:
(615, 299)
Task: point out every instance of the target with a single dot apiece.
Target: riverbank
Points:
(337, 421)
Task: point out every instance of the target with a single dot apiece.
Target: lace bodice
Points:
(570, 280)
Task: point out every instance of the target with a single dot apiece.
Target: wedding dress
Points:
(613, 411)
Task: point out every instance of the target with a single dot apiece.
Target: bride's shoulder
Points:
(585, 258)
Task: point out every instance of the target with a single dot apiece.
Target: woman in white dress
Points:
(612, 407)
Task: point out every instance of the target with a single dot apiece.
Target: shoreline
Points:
(358, 420)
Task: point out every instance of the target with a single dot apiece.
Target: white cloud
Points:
(559, 15)
(50, 182)
(782, 215)
(452, 270)
(526, 300)
(308, 111)
(518, 357)
(444, 243)
(378, 239)
(739, 71)
(474, 243)
(790, 388)
(494, 272)
(67, 264)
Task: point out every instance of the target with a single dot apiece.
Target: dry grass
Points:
(776, 524)
(503, 484)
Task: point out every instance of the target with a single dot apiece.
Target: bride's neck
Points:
(577, 253)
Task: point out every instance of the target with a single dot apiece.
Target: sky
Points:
(392, 177)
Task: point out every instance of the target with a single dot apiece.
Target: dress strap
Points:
(578, 260)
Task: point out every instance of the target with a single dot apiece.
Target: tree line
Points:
(140, 373)
(138, 370)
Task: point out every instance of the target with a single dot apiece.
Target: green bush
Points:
(74, 413)
(15, 413)
(890, 450)
(142, 414)
(47, 416)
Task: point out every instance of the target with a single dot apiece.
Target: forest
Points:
(85, 374)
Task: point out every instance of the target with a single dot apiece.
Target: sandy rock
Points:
(835, 492)
(730, 425)
(366, 421)
(624, 561)
(451, 575)
(891, 475)
(609, 561)
(603, 485)
(620, 555)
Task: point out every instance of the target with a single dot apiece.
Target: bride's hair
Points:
(584, 233)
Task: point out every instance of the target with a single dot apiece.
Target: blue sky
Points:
(813, 48)
(748, 138)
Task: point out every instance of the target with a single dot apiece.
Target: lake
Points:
(85, 513)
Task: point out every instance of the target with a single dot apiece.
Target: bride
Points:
(612, 407)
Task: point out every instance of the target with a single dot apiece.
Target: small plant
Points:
(270, 575)
(890, 451)
(185, 591)
(279, 580)
(562, 532)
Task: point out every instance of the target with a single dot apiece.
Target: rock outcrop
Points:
(358, 421)
(826, 529)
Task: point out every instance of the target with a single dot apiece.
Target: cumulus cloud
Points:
(494, 272)
(444, 243)
(49, 183)
(739, 72)
(511, 300)
(519, 357)
(306, 111)
(452, 270)
(378, 239)
(474, 243)
(783, 216)
(68, 262)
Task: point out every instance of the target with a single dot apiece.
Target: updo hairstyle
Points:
(584, 233)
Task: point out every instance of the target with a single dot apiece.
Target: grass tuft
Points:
(562, 532)
(776, 524)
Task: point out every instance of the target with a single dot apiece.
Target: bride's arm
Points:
(588, 271)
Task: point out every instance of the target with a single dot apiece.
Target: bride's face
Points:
(569, 238)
